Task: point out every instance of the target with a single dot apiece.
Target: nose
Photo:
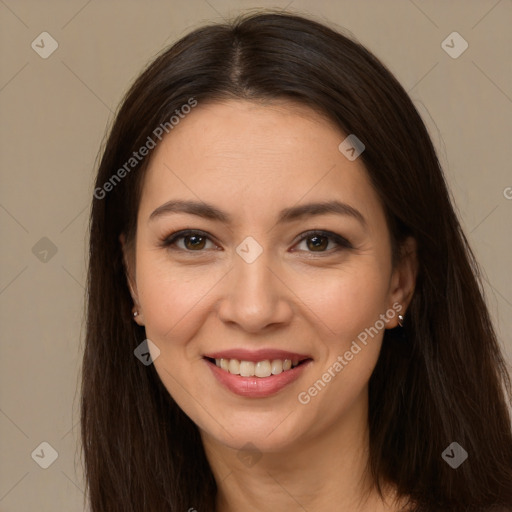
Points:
(255, 297)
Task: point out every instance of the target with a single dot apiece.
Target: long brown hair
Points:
(442, 380)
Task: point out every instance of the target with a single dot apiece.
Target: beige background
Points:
(55, 112)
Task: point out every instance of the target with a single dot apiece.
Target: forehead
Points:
(256, 157)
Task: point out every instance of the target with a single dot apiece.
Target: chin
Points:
(264, 436)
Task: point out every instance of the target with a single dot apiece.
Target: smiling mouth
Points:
(264, 368)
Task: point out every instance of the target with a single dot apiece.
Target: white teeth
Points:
(234, 366)
(264, 368)
(277, 366)
(246, 368)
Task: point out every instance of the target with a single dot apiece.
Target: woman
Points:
(283, 310)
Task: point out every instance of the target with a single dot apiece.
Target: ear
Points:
(403, 279)
(129, 266)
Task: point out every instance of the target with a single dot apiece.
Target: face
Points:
(254, 276)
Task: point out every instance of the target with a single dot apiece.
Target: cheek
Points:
(341, 302)
(171, 299)
(346, 301)
(348, 306)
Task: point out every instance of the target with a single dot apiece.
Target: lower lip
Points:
(256, 387)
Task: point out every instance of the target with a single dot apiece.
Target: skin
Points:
(252, 160)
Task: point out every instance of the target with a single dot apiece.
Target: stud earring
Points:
(400, 320)
(135, 313)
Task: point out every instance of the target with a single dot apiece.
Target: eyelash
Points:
(341, 242)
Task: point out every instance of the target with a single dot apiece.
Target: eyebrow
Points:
(290, 214)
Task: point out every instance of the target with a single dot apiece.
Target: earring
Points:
(400, 320)
(135, 313)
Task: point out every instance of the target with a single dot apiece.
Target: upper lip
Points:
(256, 355)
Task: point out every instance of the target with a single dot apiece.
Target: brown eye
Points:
(317, 242)
(193, 241)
